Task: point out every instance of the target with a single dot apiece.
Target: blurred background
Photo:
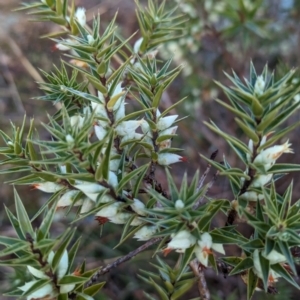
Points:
(218, 36)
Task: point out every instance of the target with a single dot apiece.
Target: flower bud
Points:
(259, 85)
(47, 187)
(80, 16)
(179, 204)
(166, 159)
(166, 122)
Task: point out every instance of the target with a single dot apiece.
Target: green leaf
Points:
(66, 238)
(44, 228)
(279, 269)
(265, 269)
(244, 265)
(284, 168)
(24, 221)
(186, 259)
(69, 279)
(251, 284)
(102, 171)
(131, 175)
(94, 289)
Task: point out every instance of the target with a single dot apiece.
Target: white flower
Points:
(118, 90)
(273, 276)
(100, 110)
(109, 211)
(80, 16)
(112, 179)
(68, 198)
(179, 204)
(87, 206)
(203, 249)
(180, 241)
(121, 218)
(62, 47)
(90, 187)
(168, 131)
(128, 127)
(46, 290)
(120, 110)
(139, 207)
(77, 121)
(268, 157)
(259, 85)
(91, 190)
(261, 180)
(166, 159)
(100, 132)
(101, 97)
(61, 270)
(146, 128)
(145, 233)
(47, 187)
(114, 165)
(137, 45)
(274, 257)
(166, 122)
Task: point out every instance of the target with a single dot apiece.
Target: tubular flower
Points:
(180, 241)
(139, 207)
(273, 276)
(275, 257)
(145, 233)
(100, 110)
(91, 190)
(261, 180)
(128, 127)
(268, 157)
(166, 122)
(109, 210)
(204, 248)
(166, 159)
(47, 187)
(80, 16)
(68, 198)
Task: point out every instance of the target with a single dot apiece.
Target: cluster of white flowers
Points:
(49, 290)
(204, 246)
(265, 159)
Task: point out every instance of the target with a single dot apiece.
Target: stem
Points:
(202, 285)
(121, 260)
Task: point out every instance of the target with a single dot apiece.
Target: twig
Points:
(121, 260)
(202, 285)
